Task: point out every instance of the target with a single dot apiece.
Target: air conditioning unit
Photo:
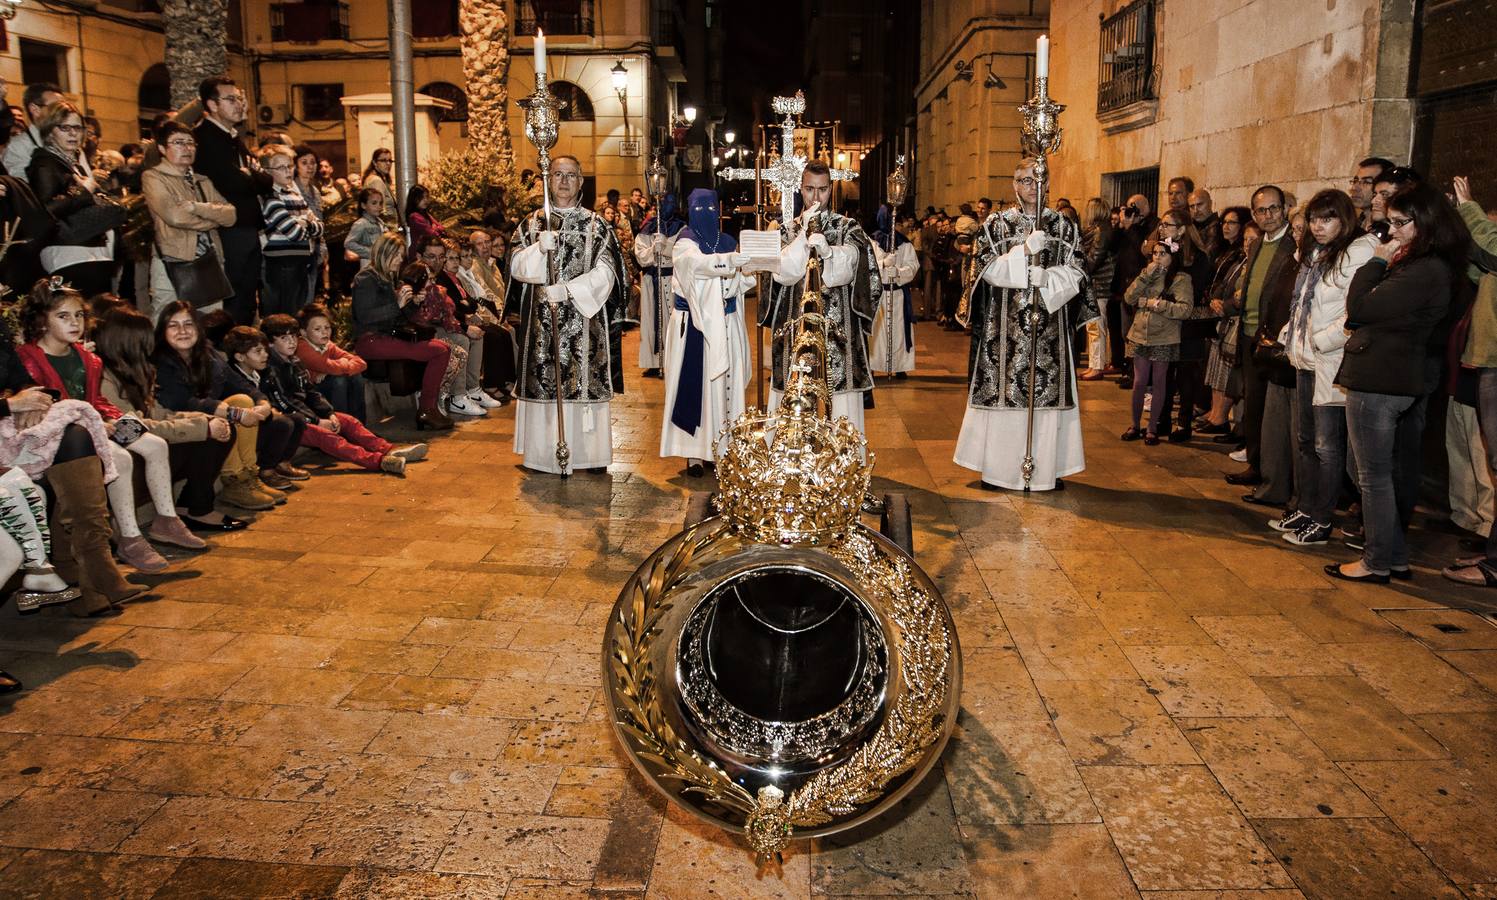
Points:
(274, 114)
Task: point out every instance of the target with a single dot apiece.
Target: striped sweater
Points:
(291, 227)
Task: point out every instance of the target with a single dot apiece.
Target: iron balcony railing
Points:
(308, 23)
(1127, 57)
(554, 17)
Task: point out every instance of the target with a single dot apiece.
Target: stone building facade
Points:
(976, 67)
(296, 60)
(1233, 93)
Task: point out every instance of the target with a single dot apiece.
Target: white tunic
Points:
(992, 440)
(725, 360)
(651, 249)
(589, 427)
(886, 349)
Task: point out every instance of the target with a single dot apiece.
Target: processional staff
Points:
(542, 122)
(896, 186)
(1041, 134)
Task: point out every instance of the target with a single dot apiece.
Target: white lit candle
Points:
(1042, 57)
(540, 52)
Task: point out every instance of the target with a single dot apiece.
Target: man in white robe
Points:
(653, 246)
(706, 347)
(1023, 263)
(587, 302)
(892, 341)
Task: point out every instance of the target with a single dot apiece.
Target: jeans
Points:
(242, 265)
(1302, 433)
(1372, 427)
(199, 463)
(1486, 409)
(352, 442)
(1321, 488)
(277, 440)
(1409, 451)
(346, 394)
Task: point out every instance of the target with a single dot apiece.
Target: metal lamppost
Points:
(620, 76)
(894, 188)
(657, 182)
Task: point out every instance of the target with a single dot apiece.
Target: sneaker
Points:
(138, 552)
(1292, 520)
(478, 396)
(1238, 455)
(462, 406)
(394, 465)
(1354, 542)
(411, 452)
(1313, 533)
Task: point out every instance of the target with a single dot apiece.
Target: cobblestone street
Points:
(391, 688)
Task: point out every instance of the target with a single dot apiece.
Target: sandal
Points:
(1151, 440)
(1132, 434)
(1476, 576)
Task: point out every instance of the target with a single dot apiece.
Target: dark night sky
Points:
(765, 57)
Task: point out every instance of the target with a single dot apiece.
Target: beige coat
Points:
(1159, 311)
(179, 215)
(172, 427)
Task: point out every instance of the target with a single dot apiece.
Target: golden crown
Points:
(795, 477)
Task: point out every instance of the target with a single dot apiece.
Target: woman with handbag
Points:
(383, 311)
(82, 251)
(186, 211)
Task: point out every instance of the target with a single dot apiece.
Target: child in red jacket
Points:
(53, 319)
(337, 374)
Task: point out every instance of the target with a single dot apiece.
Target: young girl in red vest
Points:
(54, 354)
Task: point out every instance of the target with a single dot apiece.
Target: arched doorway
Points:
(154, 97)
(577, 134)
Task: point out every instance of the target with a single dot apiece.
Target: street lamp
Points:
(620, 77)
(691, 114)
(728, 136)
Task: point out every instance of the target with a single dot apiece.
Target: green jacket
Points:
(1481, 340)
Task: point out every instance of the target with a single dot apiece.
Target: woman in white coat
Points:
(706, 343)
(891, 343)
(653, 248)
(1332, 250)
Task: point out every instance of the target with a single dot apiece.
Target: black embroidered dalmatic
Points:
(998, 363)
(849, 311)
(591, 366)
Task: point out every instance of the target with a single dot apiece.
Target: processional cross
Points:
(785, 175)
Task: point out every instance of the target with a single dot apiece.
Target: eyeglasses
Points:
(567, 176)
(1026, 181)
(280, 168)
(1398, 221)
(1364, 182)
(383, 159)
(187, 143)
(231, 98)
(1267, 210)
(69, 129)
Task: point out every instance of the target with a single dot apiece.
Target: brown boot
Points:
(83, 513)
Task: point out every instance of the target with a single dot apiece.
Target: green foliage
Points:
(465, 184)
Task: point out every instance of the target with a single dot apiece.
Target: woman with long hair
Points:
(192, 376)
(1096, 232)
(1161, 296)
(422, 224)
(197, 444)
(383, 310)
(1332, 250)
(1393, 305)
(1222, 376)
(378, 176)
(306, 180)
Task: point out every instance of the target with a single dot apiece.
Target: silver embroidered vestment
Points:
(998, 362)
(591, 367)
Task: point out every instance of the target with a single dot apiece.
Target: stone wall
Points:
(1250, 91)
(967, 134)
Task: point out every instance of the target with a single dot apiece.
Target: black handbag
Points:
(202, 281)
(91, 222)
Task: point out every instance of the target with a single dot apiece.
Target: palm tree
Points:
(196, 44)
(485, 44)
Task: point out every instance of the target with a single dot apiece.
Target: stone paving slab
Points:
(392, 689)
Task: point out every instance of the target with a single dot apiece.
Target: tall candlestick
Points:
(540, 52)
(1042, 57)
